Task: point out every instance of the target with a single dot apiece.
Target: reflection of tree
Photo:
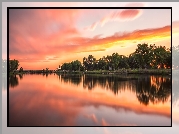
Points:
(107, 82)
(13, 81)
(75, 79)
(21, 76)
(148, 89)
(156, 89)
(153, 89)
(89, 82)
(142, 90)
(45, 74)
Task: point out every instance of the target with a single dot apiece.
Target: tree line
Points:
(145, 57)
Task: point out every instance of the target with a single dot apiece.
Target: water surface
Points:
(89, 100)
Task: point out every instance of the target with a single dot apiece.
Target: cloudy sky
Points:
(41, 38)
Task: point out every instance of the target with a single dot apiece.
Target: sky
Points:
(47, 38)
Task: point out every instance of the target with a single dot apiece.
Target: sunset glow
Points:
(41, 38)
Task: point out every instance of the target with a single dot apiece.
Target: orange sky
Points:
(41, 38)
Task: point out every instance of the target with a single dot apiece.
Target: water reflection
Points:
(21, 76)
(13, 81)
(67, 78)
(153, 89)
(61, 100)
(45, 74)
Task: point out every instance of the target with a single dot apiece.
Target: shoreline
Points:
(106, 72)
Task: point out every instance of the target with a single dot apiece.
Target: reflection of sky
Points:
(122, 117)
(121, 130)
(59, 103)
(87, 130)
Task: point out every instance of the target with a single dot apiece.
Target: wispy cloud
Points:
(120, 36)
(124, 15)
(57, 46)
(37, 33)
(92, 27)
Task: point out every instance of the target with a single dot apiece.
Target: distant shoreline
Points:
(120, 71)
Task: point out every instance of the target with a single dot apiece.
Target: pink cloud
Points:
(32, 31)
(35, 34)
(129, 14)
(55, 45)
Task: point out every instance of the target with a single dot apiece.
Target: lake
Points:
(89, 100)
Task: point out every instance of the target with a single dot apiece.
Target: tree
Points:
(21, 69)
(115, 59)
(76, 65)
(13, 65)
(145, 56)
(162, 57)
(152, 56)
(123, 62)
(85, 63)
(132, 61)
(109, 62)
(142, 55)
(102, 63)
(89, 63)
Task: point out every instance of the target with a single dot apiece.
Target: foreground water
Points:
(90, 100)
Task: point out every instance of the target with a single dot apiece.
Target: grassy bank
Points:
(123, 71)
(150, 71)
(120, 71)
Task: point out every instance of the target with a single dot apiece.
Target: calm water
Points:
(89, 100)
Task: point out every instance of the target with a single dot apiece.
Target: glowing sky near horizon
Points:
(41, 38)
